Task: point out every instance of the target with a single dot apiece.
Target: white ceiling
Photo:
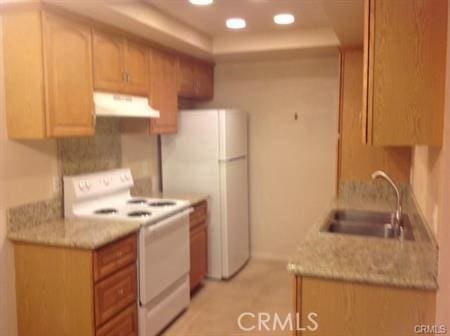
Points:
(347, 20)
(258, 14)
(321, 25)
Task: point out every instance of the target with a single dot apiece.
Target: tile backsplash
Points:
(87, 155)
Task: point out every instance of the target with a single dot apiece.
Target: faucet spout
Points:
(398, 212)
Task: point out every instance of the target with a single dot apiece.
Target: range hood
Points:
(117, 105)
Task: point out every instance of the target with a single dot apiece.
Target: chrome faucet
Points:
(397, 225)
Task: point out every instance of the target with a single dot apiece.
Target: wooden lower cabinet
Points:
(115, 293)
(58, 293)
(198, 244)
(124, 324)
(355, 309)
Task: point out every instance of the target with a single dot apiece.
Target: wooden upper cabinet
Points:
(404, 72)
(109, 62)
(357, 161)
(68, 79)
(195, 79)
(120, 65)
(136, 64)
(48, 91)
(204, 78)
(163, 92)
(186, 78)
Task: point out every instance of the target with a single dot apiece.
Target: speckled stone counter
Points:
(82, 233)
(192, 198)
(42, 223)
(378, 261)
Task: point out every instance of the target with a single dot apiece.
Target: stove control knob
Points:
(122, 177)
(106, 181)
(127, 177)
(81, 186)
(87, 185)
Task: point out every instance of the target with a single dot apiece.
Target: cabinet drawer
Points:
(113, 257)
(124, 324)
(114, 294)
(199, 215)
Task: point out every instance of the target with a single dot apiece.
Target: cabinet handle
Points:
(128, 78)
(119, 254)
(125, 77)
(120, 292)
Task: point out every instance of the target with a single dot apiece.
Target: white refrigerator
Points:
(208, 155)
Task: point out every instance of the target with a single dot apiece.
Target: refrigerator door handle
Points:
(233, 159)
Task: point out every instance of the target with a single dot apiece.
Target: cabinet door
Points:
(68, 77)
(199, 255)
(136, 64)
(163, 92)
(186, 78)
(109, 70)
(405, 60)
(204, 81)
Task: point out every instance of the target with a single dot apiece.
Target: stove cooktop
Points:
(145, 210)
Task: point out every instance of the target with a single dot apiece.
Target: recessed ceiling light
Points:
(236, 23)
(201, 2)
(284, 19)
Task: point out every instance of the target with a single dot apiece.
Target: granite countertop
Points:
(74, 233)
(41, 223)
(192, 198)
(378, 261)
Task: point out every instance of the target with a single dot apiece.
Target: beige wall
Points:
(425, 180)
(292, 163)
(430, 177)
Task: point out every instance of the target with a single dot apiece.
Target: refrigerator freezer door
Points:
(233, 134)
(234, 215)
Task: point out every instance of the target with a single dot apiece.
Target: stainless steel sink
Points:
(366, 223)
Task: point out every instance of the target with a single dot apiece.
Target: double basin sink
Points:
(366, 223)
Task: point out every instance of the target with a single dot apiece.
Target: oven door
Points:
(163, 255)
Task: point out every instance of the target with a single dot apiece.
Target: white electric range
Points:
(163, 261)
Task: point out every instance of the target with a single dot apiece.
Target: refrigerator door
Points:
(233, 134)
(234, 215)
(190, 165)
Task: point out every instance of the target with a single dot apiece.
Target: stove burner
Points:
(162, 203)
(137, 201)
(106, 211)
(139, 214)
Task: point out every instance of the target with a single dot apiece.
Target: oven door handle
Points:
(167, 223)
